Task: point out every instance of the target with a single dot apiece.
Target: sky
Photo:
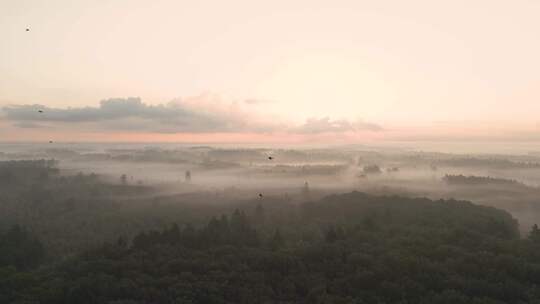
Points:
(269, 71)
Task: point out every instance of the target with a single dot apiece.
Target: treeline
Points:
(352, 248)
(236, 230)
(302, 170)
(25, 171)
(479, 180)
(65, 211)
(203, 156)
(499, 163)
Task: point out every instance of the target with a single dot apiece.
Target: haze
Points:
(246, 152)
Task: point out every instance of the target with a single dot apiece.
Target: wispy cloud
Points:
(327, 125)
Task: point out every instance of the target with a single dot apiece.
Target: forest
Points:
(79, 238)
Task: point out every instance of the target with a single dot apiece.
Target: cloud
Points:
(27, 125)
(201, 114)
(326, 125)
(132, 114)
(115, 108)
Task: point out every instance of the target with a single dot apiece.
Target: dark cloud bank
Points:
(131, 114)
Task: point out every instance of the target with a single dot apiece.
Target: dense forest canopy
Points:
(73, 237)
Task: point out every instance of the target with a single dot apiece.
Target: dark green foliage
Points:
(68, 213)
(369, 250)
(349, 248)
(216, 233)
(334, 234)
(534, 235)
(276, 241)
(20, 249)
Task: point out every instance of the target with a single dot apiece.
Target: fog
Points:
(244, 172)
(155, 209)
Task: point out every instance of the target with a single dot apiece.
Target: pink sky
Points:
(418, 69)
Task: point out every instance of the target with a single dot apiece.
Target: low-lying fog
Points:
(507, 181)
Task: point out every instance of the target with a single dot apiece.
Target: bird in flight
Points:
(270, 157)
(260, 195)
(27, 29)
(40, 111)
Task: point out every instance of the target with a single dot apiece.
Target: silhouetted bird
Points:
(27, 29)
(260, 195)
(270, 157)
(40, 111)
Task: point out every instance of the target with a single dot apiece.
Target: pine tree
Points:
(305, 190)
(331, 235)
(121, 242)
(259, 214)
(123, 179)
(277, 240)
(534, 235)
